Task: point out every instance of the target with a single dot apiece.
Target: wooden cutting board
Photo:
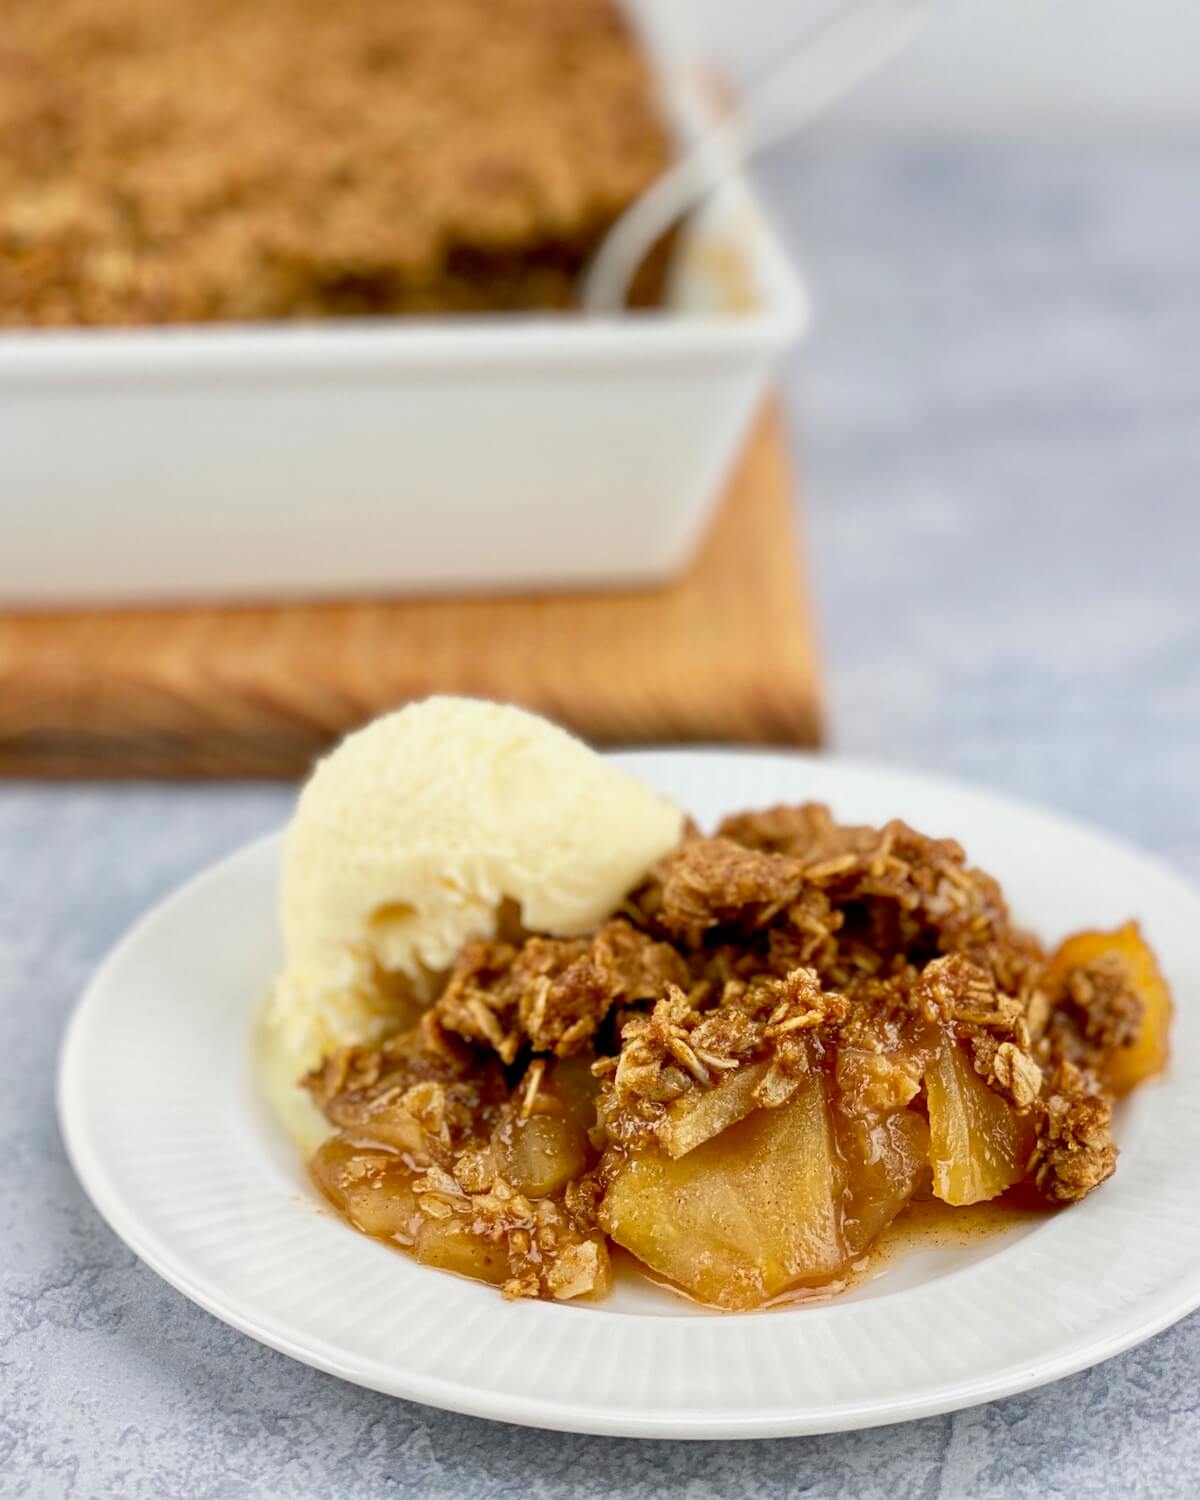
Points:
(724, 654)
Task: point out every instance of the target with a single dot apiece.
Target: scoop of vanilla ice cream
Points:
(410, 835)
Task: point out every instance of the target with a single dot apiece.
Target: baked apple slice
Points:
(450, 1245)
(372, 1188)
(978, 1144)
(886, 1159)
(747, 1215)
(704, 1113)
(539, 1156)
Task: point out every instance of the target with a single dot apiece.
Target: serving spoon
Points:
(819, 69)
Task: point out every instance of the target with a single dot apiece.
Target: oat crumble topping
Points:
(185, 161)
(784, 954)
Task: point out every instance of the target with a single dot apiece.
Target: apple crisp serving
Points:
(185, 161)
(789, 1032)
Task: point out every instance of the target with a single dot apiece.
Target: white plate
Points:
(169, 1138)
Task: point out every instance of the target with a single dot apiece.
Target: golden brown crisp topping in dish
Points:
(792, 1031)
(173, 161)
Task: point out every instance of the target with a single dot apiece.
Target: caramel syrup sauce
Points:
(930, 1224)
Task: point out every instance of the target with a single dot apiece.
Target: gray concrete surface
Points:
(999, 416)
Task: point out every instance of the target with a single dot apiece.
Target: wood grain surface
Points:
(724, 654)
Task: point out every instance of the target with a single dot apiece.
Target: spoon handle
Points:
(823, 66)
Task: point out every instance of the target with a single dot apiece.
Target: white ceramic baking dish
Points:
(487, 454)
